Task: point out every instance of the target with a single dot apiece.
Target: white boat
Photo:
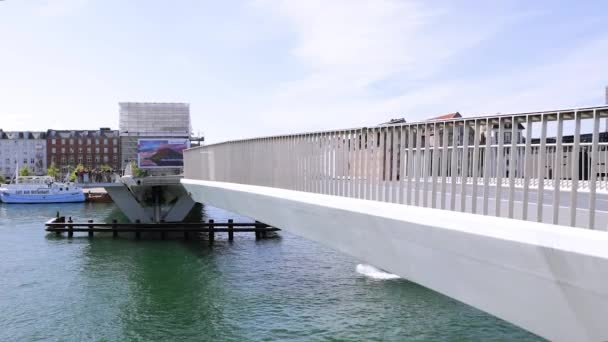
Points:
(43, 189)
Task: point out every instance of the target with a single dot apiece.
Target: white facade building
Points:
(139, 120)
(18, 149)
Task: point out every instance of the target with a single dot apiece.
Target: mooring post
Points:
(211, 231)
(258, 235)
(137, 232)
(114, 230)
(90, 229)
(70, 227)
(163, 234)
(230, 229)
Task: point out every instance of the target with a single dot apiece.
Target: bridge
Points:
(507, 213)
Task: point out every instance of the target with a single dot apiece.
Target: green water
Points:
(287, 288)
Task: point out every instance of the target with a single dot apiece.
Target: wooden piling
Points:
(70, 227)
(114, 229)
(230, 230)
(90, 227)
(137, 233)
(211, 231)
(258, 234)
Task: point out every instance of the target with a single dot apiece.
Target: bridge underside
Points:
(547, 279)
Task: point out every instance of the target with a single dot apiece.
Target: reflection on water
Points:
(151, 290)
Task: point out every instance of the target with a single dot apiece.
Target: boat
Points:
(40, 189)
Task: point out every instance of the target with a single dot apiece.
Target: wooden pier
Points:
(60, 225)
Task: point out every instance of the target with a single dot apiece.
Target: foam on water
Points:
(374, 273)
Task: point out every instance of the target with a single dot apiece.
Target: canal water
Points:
(285, 288)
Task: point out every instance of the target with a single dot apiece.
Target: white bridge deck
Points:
(480, 209)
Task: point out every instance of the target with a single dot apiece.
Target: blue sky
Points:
(261, 67)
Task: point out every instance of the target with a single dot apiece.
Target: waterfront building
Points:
(23, 148)
(145, 120)
(91, 148)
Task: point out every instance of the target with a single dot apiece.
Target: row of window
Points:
(81, 159)
(89, 141)
(25, 161)
(80, 149)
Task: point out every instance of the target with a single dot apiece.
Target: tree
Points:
(53, 171)
(2, 180)
(77, 169)
(137, 172)
(105, 168)
(24, 171)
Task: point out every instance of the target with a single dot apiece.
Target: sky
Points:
(262, 67)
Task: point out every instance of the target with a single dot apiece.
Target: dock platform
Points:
(60, 225)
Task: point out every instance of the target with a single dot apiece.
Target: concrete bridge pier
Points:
(151, 199)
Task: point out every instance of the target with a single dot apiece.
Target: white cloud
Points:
(351, 46)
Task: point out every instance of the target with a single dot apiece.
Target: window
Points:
(115, 141)
(105, 141)
(80, 150)
(63, 159)
(97, 159)
(53, 141)
(25, 161)
(63, 150)
(96, 149)
(71, 150)
(88, 150)
(507, 137)
(115, 159)
(54, 150)
(32, 161)
(106, 159)
(105, 150)
(71, 159)
(96, 141)
(89, 141)
(115, 149)
(89, 159)
(80, 159)
(63, 141)
(80, 141)
(71, 141)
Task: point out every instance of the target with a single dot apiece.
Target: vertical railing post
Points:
(454, 165)
(575, 168)
(512, 160)
(476, 165)
(464, 168)
(557, 172)
(594, 165)
(435, 166)
(540, 194)
(500, 166)
(444, 161)
(528, 161)
(486, 166)
(408, 167)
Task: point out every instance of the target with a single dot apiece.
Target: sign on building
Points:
(161, 153)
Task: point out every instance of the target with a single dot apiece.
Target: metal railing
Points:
(519, 166)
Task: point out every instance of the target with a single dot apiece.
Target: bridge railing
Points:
(546, 166)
